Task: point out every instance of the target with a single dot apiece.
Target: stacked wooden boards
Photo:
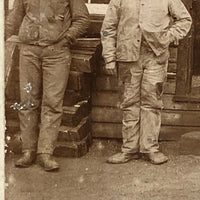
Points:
(74, 136)
(177, 117)
(75, 132)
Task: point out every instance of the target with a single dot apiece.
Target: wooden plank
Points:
(82, 63)
(99, 9)
(73, 149)
(169, 86)
(110, 98)
(181, 118)
(105, 98)
(109, 83)
(72, 97)
(86, 43)
(104, 82)
(169, 117)
(72, 115)
(94, 28)
(106, 130)
(185, 59)
(106, 114)
(168, 133)
(75, 81)
(172, 67)
(79, 81)
(83, 51)
(173, 53)
(68, 133)
(170, 104)
(113, 130)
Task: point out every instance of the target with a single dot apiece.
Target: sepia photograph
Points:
(100, 100)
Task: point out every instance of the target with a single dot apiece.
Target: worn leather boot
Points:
(156, 158)
(26, 160)
(122, 158)
(47, 162)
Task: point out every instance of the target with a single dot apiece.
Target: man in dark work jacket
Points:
(46, 29)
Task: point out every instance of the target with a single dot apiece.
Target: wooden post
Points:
(185, 62)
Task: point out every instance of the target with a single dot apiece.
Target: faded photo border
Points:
(2, 118)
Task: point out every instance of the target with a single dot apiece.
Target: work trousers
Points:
(141, 86)
(43, 73)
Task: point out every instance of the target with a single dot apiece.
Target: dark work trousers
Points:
(44, 73)
(141, 84)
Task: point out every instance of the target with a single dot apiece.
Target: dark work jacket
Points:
(45, 22)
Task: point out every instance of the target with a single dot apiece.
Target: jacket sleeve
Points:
(80, 20)
(109, 31)
(14, 19)
(182, 19)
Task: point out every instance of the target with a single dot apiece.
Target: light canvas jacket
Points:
(127, 20)
(45, 22)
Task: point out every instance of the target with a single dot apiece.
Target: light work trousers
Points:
(141, 86)
(43, 73)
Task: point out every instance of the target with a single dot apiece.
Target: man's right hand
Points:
(110, 68)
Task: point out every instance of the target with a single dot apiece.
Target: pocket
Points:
(163, 39)
(163, 58)
(28, 31)
(160, 40)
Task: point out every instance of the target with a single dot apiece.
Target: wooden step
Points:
(72, 115)
(68, 133)
(72, 97)
(73, 149)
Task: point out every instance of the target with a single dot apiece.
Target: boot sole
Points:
(135, 157)
(55, 169)
(160, 163)
(52, 169)
(145, 157)
(25, 165)
(22, 166)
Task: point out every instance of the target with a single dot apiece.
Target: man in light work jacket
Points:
(136, 35)
(46, 29)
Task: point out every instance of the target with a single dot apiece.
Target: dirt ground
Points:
(91, 178)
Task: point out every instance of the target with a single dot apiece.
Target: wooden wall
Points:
(177, 118)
